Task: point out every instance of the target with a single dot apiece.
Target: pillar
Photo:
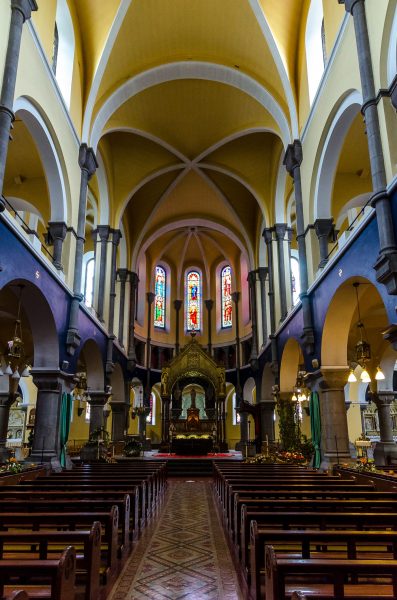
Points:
(386, 264)
(292, 161)
(266, 408)
(97, 400)
(46, 441)
(20, 12)
(131, 364)
(57, 231)
(334, 431)
(262, 275)
(209, 304)
(88, 166)
(7, 399)
(323, 229)
(280, 230)
(103, 233)
(386, 448)
(122, 275)
(116, 236)
(268, 237)
(119, 418)
(165, 421)
(150, 299)
(253, 360)
(177, 306)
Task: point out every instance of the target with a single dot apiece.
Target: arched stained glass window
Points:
(226, 296)
(159, 301)
(193, 301)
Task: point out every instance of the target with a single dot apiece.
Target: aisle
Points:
(184, 555)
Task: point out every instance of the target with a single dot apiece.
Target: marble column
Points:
(292, 161)
(122, 275)
(209, 304)
(20, 12)
(116, 236)
(50, 384)
(103, 234)
(386, 448)
(97, 400)
(119, 418)
(150, 299)
(131, 364)
(88, 166)
(280, 230)
(262, 276)
(334, 430)
(386, 264)
(267, 408)
(253, 360)
(177, 306)
(57, 231)
(165, 420)
(323, 229)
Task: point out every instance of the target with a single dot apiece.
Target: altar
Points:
(193, 394)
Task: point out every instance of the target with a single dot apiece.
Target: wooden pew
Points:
(300, 544)
(298, 596)
(18, 595)
(339, 573)
(57, 576)
(44, 545)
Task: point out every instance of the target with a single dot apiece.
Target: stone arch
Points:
(91, 355)
(117, 383)
(248, 390)
(47, 147)
(267, 383)
(330, 152)
(289, 363)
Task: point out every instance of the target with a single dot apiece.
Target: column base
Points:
(385, 453)
(386, 271)
(331, 458)
(5, 454)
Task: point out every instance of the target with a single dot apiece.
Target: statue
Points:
(193, 394)
(164, 382)
(222, 382)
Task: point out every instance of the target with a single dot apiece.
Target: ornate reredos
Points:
(193, 361)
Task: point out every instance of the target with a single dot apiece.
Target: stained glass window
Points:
(159, 301)
(193, 301)
(226, 295)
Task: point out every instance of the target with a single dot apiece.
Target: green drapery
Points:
(66, 413)
(315, 426)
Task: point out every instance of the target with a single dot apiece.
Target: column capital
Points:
(349, 4)
(150, 297)
(118, 407)
(134, 279)
(177, 304)
(323, 227)
(251, 278)
(87, 160)
(57, 229)
(334, 378)
(122, 275)
(280, 229)
(268, 234)
(235, 297)
(383, 397)
(293, 156)
(290, 233)
(209, 304)
(26, 7)
(263, 273)
(50, 379)
(116, 236)
(98, 397)
(103, 232)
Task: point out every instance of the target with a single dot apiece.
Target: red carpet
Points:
(209, 455)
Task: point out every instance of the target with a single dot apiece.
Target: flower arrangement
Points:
(132, 448)
(99, 437)
(278, 457)
(13, 466)
(365, 464)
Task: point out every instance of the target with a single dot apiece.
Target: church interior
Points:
(198, 283)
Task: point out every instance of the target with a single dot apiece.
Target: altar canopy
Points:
(193, 392)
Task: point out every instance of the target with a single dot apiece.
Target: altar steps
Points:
(189, 467)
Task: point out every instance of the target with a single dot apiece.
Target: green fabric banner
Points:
(315, 426)
(66, 413)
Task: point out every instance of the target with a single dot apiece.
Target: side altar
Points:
(193, 393)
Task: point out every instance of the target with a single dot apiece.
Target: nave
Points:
(184, 554)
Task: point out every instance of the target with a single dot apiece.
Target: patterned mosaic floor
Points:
(184, 555)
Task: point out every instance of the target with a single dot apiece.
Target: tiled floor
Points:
(184, 554)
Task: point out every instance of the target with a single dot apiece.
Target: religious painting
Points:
(159, 300)
(193, 301)
(226, 297)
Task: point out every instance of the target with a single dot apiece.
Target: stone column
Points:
(262, 274)
(253, 360)
(267, 408)
(386, 264)
(20, 12)
(292, 161)
(236, 298)
(268, 237)
(116, 236)
(119, 417)
(323, 229)
(57, 231)
(209, 306)
(131, 364)
(334, 431)
(177, 306)
(165, 420)
(290, 233)
(46, 441)
(122, 274)
(7, 399)
(280, 229)
(386, 448)
(88, 166)
(97, 400)
(150, 299)
(103, 233)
